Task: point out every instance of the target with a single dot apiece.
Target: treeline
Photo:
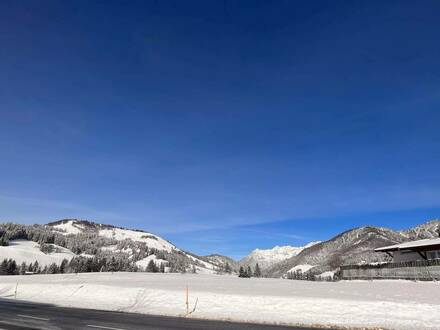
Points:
(225, 268)
(309, 276)
(77, 265)
(10, 267)
(248, 272)
(302, 276)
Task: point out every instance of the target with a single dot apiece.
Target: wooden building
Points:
(425, 249)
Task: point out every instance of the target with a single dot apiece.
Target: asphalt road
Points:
(18, 315)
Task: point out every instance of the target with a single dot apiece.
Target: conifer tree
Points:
(36, 268)
(228, 269)
(249, 272)
(257, 271)
(12, 267)
(4, 267)
(151, 267)
(23, 268)
(53, 269)
(63, 266)
(4, 240)
(241, 272)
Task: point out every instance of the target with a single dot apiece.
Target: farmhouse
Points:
(425, 249)
(416, 260)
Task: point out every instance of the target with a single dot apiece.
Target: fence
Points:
(425, 270)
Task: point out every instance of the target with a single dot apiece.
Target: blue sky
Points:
(221, 125)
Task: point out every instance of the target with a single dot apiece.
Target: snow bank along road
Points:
(388, 304)
(24, 316)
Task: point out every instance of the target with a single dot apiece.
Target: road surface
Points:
(19, 315)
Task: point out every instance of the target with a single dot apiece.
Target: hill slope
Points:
(355, 246)
(70, 238)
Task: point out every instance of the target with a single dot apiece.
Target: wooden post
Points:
(187, 300)
(15, 294)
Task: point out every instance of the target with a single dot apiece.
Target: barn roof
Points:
(423, 244)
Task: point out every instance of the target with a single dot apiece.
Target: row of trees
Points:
(8, 267)
(299, 275)
(309, 276)
(76, 265)
(248, 273)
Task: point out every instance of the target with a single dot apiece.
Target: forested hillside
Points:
(89, 247)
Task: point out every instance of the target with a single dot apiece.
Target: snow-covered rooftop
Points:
(411, 245)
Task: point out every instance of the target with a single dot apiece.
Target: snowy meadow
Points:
(385, 304)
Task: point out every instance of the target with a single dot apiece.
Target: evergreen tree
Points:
(36, 268)
(12, 267)
(53, 269)
(249, 272)
(23, 268)
(4, 267)
(113, 265)
(4, 240)
(241, 272)
(257, 271)
(228, 269)
(63, 266)
(151, 267)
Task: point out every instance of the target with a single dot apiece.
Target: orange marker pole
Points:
(187, 300)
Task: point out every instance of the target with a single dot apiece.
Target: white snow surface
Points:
(69, 227)
(144, 262)
(151, 240)
(411, 244)
(268, 257)
(29, 251)
(394, 304)
(327, 274)
(303, 268)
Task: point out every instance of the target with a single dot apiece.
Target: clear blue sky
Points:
(221, 125)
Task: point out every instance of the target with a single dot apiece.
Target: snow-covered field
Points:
(387, 304)
(28, 251)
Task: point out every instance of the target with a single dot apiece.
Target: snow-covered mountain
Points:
(430, 229)
(355, 246)
(74, 227)
(108, 247)
(222, 262)
(71, 238)
(268, 257)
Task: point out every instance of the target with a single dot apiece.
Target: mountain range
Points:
(136, 249)
(266, 258)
